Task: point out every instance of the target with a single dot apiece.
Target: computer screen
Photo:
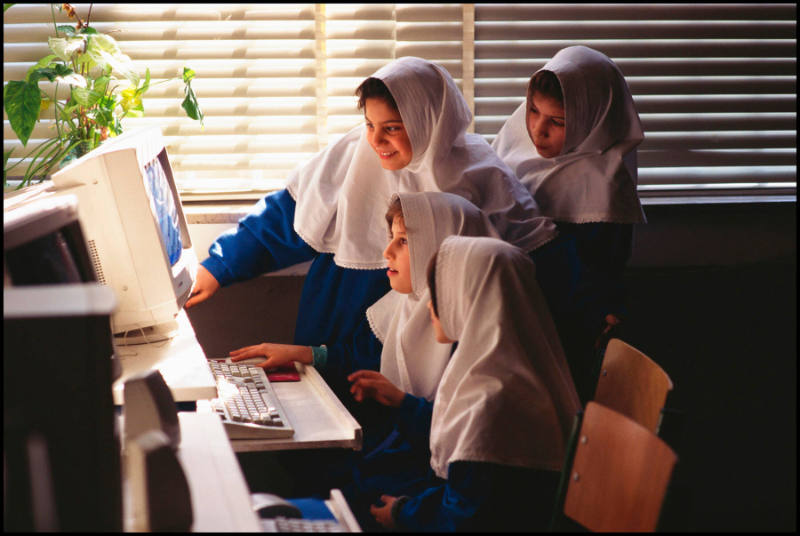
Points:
(43, 243)
(131, 213)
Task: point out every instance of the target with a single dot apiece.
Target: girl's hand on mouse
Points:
(276, 354)
(371, 384)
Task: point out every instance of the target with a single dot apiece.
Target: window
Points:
(715, 84)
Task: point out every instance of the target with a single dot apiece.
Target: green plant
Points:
(104, 88)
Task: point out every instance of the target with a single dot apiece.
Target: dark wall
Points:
(712, 299)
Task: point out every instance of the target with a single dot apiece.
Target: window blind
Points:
(715, 84)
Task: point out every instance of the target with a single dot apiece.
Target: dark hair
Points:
(395, 209)
(374, 88)
(546, 83)
(432, 282)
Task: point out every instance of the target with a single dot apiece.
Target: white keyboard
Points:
(283, 524)
(247, 404)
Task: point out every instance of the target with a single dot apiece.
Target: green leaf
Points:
(44, 62)
(146, 85)
(66, 28)
(191, 105)
(62, 70)
(101, 83)
(188, 75)
(87, 30)
(38, 74)
(22, 102)
(85, 97)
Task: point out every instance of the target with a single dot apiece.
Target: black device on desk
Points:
(161, 500)
(60, 444)
(149, 406)
(58, 407)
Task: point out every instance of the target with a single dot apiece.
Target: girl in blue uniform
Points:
(573, 145)
(332, 209)
(503, 407)
(396, 455)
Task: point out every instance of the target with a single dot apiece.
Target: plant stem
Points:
(55, 111)
(53, 13)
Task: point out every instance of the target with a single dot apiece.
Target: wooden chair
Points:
(632, 384)
(616, 475)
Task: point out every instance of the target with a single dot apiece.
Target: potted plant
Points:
(103, 88)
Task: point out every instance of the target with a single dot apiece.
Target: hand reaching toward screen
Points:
(205, 285)
(371, 384)
(277, 354)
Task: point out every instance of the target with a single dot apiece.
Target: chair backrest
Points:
(632, 384)
(619, 474)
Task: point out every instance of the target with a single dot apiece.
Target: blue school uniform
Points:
(475, 496)
(481, 497)
(581, 274)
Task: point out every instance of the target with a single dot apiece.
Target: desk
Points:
(220, 496)
(180, 360)
(318, 417)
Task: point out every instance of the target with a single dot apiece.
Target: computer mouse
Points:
(268, 505)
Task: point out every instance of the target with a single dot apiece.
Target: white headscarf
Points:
(411, 358)
(342, 192)
(506, 395)
(594, 178)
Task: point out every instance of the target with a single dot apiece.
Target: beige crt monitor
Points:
(139, 242)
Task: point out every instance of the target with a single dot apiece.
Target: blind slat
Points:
(636, 11)
(667, 104)
(634, 29)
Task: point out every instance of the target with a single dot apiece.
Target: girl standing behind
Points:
(573, 145)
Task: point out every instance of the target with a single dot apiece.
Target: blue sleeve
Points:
(361, 351)
(604, 249)
(581, 272)
(414, 420)
(581, 276)
(264, 240)
(481, 496)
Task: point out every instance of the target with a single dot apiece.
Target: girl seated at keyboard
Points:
(505, 403)
(573, 143)
(395, 446)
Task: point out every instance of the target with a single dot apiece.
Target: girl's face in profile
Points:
(386, 134)
(437, 325)
(546, 126)
(397, 254)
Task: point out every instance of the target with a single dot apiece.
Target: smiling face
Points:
(546, 127)
(386, 134)
(437, 326)
(397, 254)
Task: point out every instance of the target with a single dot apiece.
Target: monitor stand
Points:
(145, 335)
